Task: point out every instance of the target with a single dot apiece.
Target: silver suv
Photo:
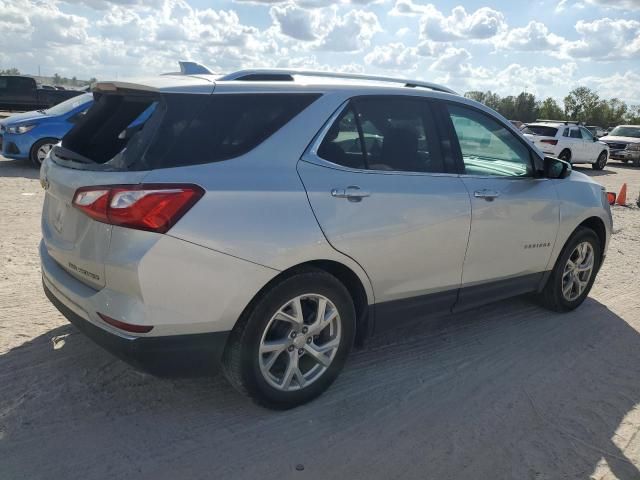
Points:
(267, 220)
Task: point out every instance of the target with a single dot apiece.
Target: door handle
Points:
(353, 193)
(488, 195)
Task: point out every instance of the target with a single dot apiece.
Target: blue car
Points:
(32, 134)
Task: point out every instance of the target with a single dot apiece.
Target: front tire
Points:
(574, 272)
(293, 342)
(40, 149)
(600, 162)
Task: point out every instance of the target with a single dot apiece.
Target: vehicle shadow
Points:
(18, 168)
(594, 173)
(506, 391)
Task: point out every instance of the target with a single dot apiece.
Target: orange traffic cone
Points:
(622, 196)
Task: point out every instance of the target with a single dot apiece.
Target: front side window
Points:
(384, 133)
(586, 134)
(487, 147)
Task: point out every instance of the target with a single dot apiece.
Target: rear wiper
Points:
(66, 154)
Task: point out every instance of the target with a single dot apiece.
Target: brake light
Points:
(155, 208)
(127, 327)
(611, 198)
(550, 142)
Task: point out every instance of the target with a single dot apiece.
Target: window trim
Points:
(310, 155)
(457, 151)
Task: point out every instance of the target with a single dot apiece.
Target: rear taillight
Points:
(155, 208)
(550, 142)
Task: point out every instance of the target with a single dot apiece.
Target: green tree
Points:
(549, 109)
(57, 79)
(525, 108)
(10, 71)
(581, 104)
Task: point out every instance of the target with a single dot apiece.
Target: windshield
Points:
(625, 132)
(70, 104)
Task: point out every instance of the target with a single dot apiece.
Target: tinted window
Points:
(20, 83)
(183, 129)
(3, 83)
(341, 144)
(488, 148)
(389, 134)
(565, 133)
(586, 134)
(575, 133)
(542, 130)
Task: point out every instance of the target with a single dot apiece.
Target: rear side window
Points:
(542, 131)
(184, 129)
(575, 133)
(384, 133)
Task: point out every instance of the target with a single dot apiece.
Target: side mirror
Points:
(556, 168)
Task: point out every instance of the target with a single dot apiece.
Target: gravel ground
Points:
(506, 391)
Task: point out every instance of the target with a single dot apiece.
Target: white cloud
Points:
(606, 39)
(351, 32)
(453, 61)
(296, 22)
(394, 56)
(621, 4)
(534, 37)
(482, 24)
(626, 85)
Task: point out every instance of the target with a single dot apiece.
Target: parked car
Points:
(22, 93)
(624, 143)
(568, 141)
(32, 134)
(267, 224)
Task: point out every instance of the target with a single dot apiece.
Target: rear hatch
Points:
(99, 150)
(542, 136)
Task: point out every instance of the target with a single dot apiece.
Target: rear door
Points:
(385, 193)
(515, 213)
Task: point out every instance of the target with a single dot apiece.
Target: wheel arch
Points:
(597, 225)
(345, 275)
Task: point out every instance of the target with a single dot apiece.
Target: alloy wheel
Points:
(577, 271)
(300, 342)
(42, 152)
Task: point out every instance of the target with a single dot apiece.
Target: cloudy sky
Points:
(543, 46)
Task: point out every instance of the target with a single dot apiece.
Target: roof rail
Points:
(566, 122)
(279, 74)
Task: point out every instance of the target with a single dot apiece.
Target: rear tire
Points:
(40, 149)
(565, 155)
(568, 285)
(636, 162)
(281, 362)
(600, 162)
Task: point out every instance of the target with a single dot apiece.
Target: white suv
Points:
(568, 141)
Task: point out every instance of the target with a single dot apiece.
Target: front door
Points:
(385, 193)
(515, 214)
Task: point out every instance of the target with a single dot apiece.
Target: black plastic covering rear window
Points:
(184, 129)
(542, 131)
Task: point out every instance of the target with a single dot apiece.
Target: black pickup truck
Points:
(22, 93)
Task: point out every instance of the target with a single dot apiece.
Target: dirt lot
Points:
(507, 391)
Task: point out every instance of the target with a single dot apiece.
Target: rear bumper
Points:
(195, 354)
